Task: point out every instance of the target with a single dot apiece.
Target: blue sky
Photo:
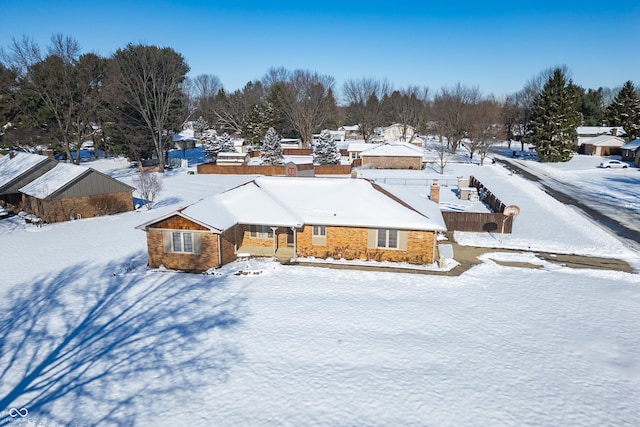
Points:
(496, 46)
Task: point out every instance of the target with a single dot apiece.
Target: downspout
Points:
(219, 251)
(433, 253)
(295, 243)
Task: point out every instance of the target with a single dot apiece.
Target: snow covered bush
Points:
(148, 185)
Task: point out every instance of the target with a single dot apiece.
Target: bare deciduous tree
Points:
(408, 108)
(307, 103)
(365, 108)
(452, 109)
(149, 80)
(232, 110)
(486, 127)
(202, 91)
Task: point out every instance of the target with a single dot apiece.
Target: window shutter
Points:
(197, 243)
(403, 238)
(167, 241)
(372, 238)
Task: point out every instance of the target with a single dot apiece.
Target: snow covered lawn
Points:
(89, 336)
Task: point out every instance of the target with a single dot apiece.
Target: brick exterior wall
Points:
(86, 207)
(208, 258)
(380, 162)
(352, 243)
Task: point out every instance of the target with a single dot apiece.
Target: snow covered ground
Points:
(89, 335)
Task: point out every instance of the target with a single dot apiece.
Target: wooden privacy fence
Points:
(480, 221)
(212, 168)
(477, 221)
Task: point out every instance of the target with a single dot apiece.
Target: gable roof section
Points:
(606, 140)
(347, 202)
(61, 178)
(11, 169)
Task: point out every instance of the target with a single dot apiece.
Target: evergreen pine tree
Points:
(325, 151)
(554, 119)
(226, 144)
(260, 119)
(624, 111)
(271, 153)
(211, 147)
(200, 126)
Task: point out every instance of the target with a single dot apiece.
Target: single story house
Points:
(631, 152)
(398, 132)
(603, 145)
(586, 133)
(397, 155)
(356, 148)
(297, 217)
(72, 192)
(18, 169)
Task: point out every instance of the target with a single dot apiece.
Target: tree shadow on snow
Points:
(99, 347)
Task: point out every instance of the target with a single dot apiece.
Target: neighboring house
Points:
(351, 132)
(631, 152)
(396, 155)
(603, 145)
(356, 148)
(587, 133)
(184, 140)
(72, 192)
(398, 133)
(297, 217)
(18, 169)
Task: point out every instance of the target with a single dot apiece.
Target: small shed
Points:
(69, 192)
(299, 169)
(232, 159)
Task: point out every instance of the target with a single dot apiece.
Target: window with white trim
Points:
(387, 238)
(261, 231)
(319, 231)
(182, 241)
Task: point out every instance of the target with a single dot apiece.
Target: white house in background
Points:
(586, 133)
(398, 133)
(603, 145)
(351, 132)
(184, 139)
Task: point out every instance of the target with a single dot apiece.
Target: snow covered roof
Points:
(606, 140)
(184, 135)
(353, 128)
(631, 145)
(12, 168)
(395, 149)
(54, 180)
(361, 146)
(293, 202)
(598, 130)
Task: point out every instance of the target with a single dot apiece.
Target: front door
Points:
(289, 236)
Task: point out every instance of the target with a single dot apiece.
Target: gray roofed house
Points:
(71, 192)
(18, 169)
(631, 152)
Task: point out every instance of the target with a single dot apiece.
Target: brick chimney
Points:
(434, 195)
(11, 154)
(614, 132)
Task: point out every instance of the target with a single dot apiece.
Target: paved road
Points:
(626, 234)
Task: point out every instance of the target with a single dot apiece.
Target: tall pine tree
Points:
(325, 150)
(271, 152)
(554, 119)
(624, 111)
(211, 146)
